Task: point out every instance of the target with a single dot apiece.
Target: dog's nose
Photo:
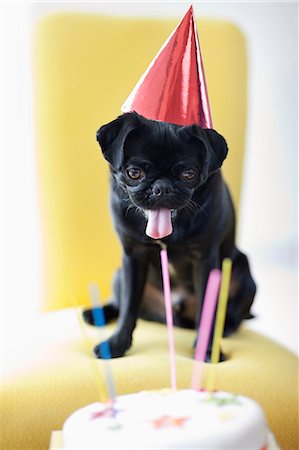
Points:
(162, 188)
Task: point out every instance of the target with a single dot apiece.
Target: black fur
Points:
(203, 222)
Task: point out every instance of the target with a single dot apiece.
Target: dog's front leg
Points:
(134, 271)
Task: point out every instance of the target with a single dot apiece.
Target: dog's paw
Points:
(115, 347)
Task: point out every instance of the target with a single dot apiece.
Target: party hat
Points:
(173, 88)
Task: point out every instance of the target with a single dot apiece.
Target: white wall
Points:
(268, 222)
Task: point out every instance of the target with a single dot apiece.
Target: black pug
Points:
(167, 190)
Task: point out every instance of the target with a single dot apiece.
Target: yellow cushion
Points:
(84, 68)
(53, 374)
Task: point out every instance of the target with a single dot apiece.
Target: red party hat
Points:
(173, 88)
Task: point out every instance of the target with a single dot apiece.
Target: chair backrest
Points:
(84, 68)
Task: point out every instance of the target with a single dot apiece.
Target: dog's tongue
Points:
(159, 223)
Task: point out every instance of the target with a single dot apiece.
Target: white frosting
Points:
(169, 420)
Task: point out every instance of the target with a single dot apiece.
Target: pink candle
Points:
(169, 317)
(205, 325)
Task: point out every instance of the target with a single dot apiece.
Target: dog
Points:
(167, 190)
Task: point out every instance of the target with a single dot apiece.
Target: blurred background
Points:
(269, 204)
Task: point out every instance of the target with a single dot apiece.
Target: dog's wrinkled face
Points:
(160, 165)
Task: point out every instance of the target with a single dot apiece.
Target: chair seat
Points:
(56, 374)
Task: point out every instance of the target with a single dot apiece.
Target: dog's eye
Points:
(135, 173)
(189, 174)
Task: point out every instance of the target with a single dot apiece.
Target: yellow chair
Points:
(84, 68)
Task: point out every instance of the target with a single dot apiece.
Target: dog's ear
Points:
(213, 145)
(113, 135)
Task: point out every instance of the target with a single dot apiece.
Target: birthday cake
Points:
(184, 419)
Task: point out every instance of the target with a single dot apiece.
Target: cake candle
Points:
(99, 321)
(220, 317)
(205, 326)
(169, 316)
(98, 376)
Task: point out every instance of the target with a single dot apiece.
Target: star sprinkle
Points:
(223, 401)
(169, 422)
